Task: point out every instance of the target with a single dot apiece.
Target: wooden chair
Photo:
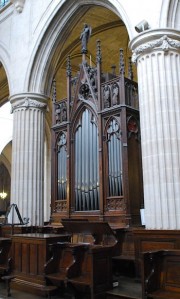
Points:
(161, 274)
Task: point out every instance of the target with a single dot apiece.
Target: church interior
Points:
(89, 181)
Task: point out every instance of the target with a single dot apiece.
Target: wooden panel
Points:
(25, 258)
(30, 253)
(34, 254)
(156, 245)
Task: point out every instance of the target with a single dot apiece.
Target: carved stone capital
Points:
(26, 101)
(19, 5)
(163, 40)
(165, 43)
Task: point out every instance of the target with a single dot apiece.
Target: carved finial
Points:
(54, 90)
(130, 70)
(68, 66)
(98, 52)
(121, 63)
(85, 35)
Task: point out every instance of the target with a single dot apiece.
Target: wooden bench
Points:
(65, 263)
(95, 277)
(161, 274)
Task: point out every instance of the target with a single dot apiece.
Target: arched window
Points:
(86, 163)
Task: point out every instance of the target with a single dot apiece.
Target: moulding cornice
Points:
(164, 40)
(19, 5)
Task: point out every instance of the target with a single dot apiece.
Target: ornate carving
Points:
(61, 206)
(121, 63)
(115, 204)
(68, 67)
(165, 43)
(132, 126)
(27, 103)
(61, 112)
(84, 91)
(98, 52)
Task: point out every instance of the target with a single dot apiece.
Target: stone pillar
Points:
(27, 180)
(157, 53)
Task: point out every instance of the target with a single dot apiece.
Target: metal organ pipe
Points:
(114, 160)
(86, 164)
(62, 167)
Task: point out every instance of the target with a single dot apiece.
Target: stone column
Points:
(27, 180)
(157, 53)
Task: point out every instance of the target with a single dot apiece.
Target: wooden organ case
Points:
(96, 153)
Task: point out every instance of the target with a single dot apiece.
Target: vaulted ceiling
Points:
(106, 26)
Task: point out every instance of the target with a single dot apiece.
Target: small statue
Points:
(115, 90)
(85, 34)
(106, 93)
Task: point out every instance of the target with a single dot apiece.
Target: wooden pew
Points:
(84, 267)
(65, 262)
(95, 277)
(5, 259)
(161, 274)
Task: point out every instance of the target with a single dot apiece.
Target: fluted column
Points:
(157, 53)
(27, 180)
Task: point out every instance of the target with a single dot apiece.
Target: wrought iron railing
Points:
(3, 3)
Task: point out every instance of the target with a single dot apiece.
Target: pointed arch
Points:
(45, 56)
(170, 14)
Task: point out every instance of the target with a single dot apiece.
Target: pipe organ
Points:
(96, 153)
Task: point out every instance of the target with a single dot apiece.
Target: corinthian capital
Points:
(26, 101)
(165, 44)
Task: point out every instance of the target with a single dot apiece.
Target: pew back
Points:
(161, 274)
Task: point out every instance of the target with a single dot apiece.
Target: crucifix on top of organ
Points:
(96, 153)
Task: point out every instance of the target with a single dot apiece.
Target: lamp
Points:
(3, 195)
(142, 26)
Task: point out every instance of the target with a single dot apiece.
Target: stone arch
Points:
(45, 56)
(5, 62)
(170, 14)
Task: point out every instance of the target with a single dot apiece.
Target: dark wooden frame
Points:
(125, 210)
